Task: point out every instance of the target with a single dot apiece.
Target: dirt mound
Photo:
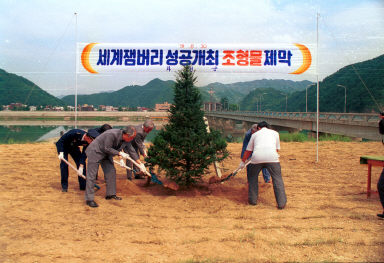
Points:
(327, 217)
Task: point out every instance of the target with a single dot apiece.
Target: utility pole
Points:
(76, 71)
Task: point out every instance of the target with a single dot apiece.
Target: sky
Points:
(38, 37)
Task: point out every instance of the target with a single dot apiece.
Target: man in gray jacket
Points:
(101, 151)
(138, 144)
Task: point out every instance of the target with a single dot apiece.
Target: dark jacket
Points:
(70, 140)
(246, 140)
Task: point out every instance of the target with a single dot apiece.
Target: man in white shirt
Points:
(264, 146)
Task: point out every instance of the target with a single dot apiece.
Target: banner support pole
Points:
(76, 72)
(317, 90)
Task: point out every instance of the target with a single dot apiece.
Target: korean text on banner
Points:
(253, 58)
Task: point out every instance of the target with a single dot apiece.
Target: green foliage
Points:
(14, 88)
(184, 149)
(302, 137)
(224, 101)
(334, 137)
(293, 137)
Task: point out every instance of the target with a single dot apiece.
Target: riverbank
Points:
(327, 218)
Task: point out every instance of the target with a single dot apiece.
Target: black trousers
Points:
(380, 188)
(274, 169)
(76, 155)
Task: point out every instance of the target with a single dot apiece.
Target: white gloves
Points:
(61, 155)
(80, 171)
(122, 163)
(142, 168)
(124, 155)
(241, 165)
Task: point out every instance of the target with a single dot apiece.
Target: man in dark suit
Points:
(70, 143)
(138, 144)
(101, 152)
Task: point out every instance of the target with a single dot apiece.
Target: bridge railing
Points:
(369, 119)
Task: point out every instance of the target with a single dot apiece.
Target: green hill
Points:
(362, 80)
(14, 88)
(158, 91)
(235, 92)
(155, 91)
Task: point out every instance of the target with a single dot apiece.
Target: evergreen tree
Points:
(184, 149)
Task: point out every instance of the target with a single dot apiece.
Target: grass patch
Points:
(209, 260)
(303, 137)
(238, 226)
(311, 217)
(201, 240)
(318, 242)
(229, 238)
(247, 237)
(334, 137)
(293, 137)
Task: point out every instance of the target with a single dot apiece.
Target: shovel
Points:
(216, 180)
(170, 185)
(74, 168)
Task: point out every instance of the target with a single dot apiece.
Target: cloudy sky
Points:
(38, 37)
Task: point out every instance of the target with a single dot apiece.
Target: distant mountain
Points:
(159, 91)
(364, 82)
(235, 92)
(14, 88)
(155, 91)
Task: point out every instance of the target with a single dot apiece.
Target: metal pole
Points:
(76, 73)
(306, 99)
(317, 91)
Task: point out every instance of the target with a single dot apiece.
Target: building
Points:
(109, 108)
(16, 106)
(58, 108)
(163, 107)
(142, 109)
(87, 107)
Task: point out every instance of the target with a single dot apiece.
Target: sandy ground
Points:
(328, 216)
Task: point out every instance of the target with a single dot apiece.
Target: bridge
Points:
(357, 125)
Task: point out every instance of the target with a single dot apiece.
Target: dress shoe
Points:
(381, 215)
(281, 207)
(92, 203)
(252, 203)
(139, 177)
(64, 190)
(108, 197)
